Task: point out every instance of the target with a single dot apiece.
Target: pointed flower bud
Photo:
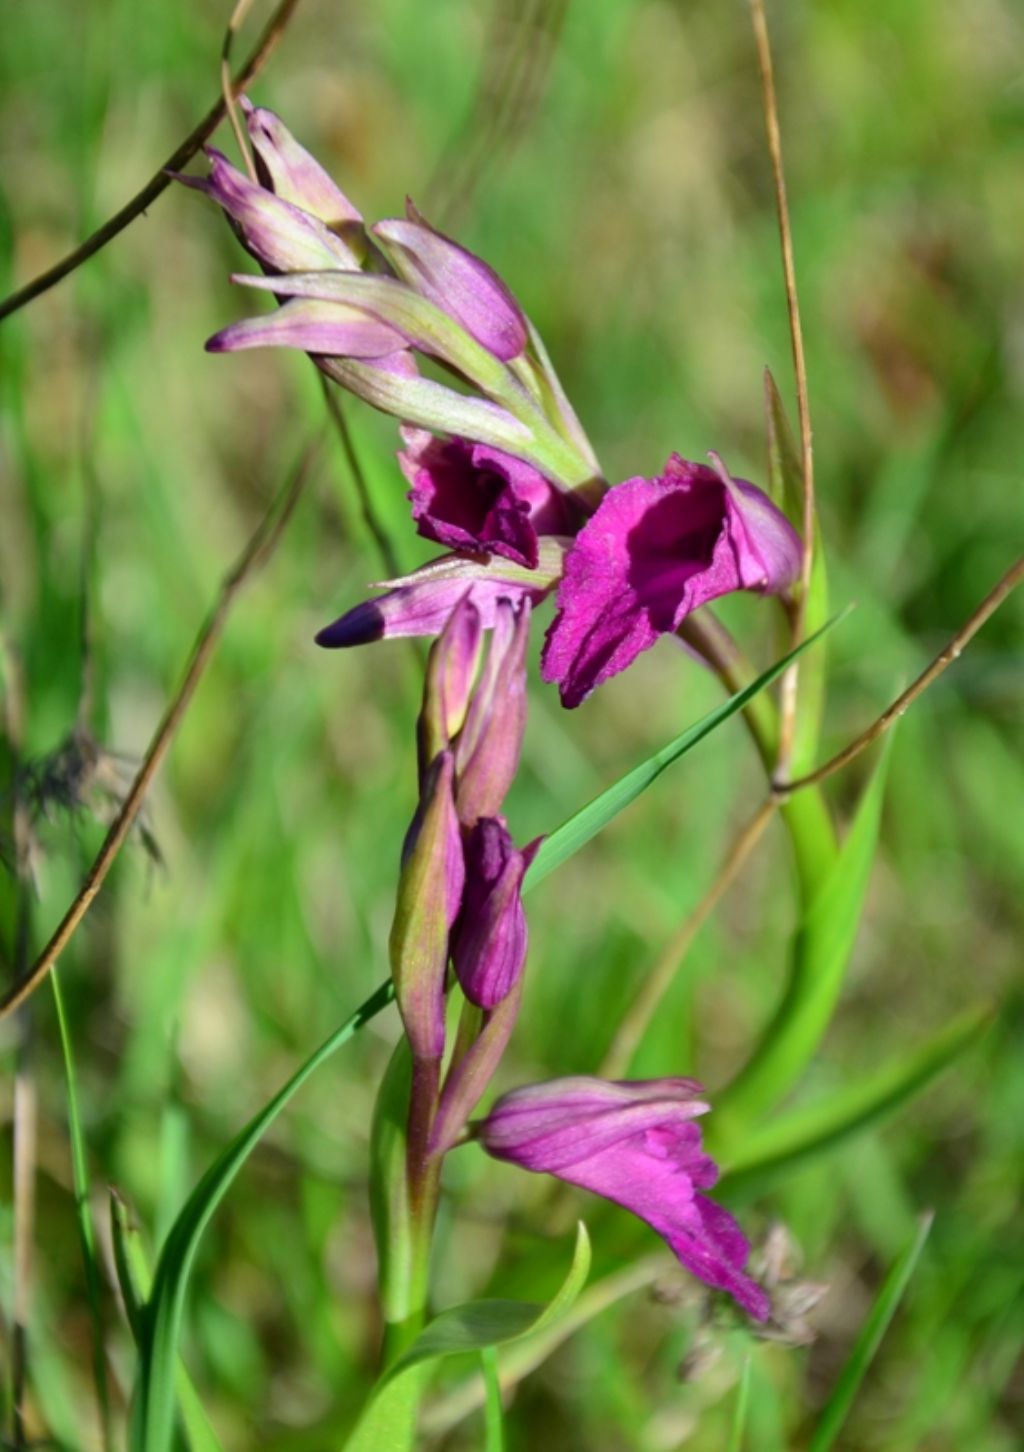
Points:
(421, 603)
(281, 236)
(635, 1144)
(456, 280)
(451, 670)
(313, 327)
(470, 496)
(488, 747)
(293, 175)
(490, 939)
(655, 550)
(429, 894)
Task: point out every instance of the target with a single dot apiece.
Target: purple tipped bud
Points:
(421, 603)
(635, 1144)
(460, 283)
(429, 894)
(314, 327)
(451, 670)
(292, 174)
(490, 940)
(281, 236)
(487, 751)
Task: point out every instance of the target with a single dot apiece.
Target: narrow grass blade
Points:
(821, 956)
(838, 1406)
(152, 1426)
(86, 1232)
(494, 1417)
(135, 1280)
(739, 1416)
(814, 1130)
(586, 823)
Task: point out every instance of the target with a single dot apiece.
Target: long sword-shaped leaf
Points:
(589, 820)
(816, 1129)
(152, 1426)
(838, 1406)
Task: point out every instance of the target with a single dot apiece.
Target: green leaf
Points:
(816, 1129)
(474, 1326)
(591, 819)
(494, 1416)
(838, 1406)
(822, 952)
(739, 1416)
(134, 1279)
(152, 1425)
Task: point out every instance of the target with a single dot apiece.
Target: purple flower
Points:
(472, 497)
(280, 235)
(288, 170)
(655, 550)
(421, 603)
(488, 746)
(460, 283)
(635, 1144)
(451, 670)
(490, 937)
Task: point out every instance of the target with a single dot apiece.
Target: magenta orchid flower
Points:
(634, 1143)
(472, 497)
(654, 551)
(490, 938)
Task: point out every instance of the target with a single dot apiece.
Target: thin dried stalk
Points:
(259, 549)
(659, 979)
(160, 181)
(945, 658)
(771, 118)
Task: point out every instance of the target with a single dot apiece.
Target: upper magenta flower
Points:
(636, 1144)
(655, 550)
(472, 497)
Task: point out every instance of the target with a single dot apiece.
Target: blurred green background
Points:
(608, 158)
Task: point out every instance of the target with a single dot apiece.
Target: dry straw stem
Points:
(771, 120)
(658, 981)
(946, 657)
(227, 88)
(256, 553)
(265, 46)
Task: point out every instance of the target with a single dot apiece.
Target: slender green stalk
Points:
(86, 1232)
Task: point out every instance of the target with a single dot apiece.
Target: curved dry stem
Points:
(227, 89)
(160, 181)
(657, 982)
(258, 550)
(771, 118)
(945, 658)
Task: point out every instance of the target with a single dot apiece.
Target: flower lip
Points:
(654, 551)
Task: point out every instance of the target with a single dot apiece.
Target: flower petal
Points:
(314, 327)
(457, 281)
(292, 173)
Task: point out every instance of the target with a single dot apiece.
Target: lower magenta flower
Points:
(635, 1144)
(653, 552)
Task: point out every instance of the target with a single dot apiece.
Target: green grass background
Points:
(626, 198)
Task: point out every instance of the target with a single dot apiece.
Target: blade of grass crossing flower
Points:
(894, 1288)
(86, 1232)
(591, 819)
(475, 1326)
(134, 1279)
(494, 1417)
(739, 1416)
(822, 949)
(152, 1424)
(805, 1134)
